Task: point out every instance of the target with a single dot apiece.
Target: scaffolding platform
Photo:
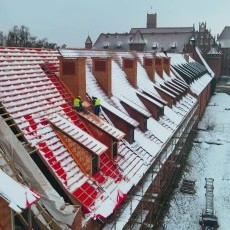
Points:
(188, 186)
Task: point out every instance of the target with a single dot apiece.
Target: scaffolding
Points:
(146, 201)
(37, 212)
(208, 218)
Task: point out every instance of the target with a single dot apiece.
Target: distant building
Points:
(204, 39)
(164, 39)
(213, 58)
(224, 41)
(151, 38)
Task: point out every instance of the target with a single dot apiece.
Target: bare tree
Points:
(21, 37)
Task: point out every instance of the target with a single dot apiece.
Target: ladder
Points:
(209, 208)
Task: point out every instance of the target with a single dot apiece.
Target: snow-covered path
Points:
(210, 157)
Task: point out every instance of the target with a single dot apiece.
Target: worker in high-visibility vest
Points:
(77, 103)
(97, 105)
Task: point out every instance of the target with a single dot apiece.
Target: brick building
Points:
(204, 38)
(166, 39)
(224, 41)
(114, 170)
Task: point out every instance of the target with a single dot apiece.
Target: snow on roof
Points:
(214, 51)
(158, 130)
(105, 126)
(158, 79)
(143, 80)
(157, 98)
(147, 144)
(177, 59)
(172, 115)
(19, 196)
(198, 86)
(165, 91)
(132, 159)
(120, 114)
(151, 100)
(78, 134)
(135, 106)
(225, 43)
(122, 87)
(204, 62)
(74, 53)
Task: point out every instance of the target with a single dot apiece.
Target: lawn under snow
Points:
(206, 160)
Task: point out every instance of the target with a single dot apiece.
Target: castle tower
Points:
(151, 20)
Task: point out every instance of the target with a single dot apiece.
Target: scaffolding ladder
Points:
(208, 218)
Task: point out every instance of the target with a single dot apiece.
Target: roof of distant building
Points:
(224, 38)
(152, 41)
(162, 30)
(225, 34)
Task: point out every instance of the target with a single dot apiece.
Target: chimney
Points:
(130, 68)
(167, 61)
(73, 75)
(149, 65)
(159, 66)
(102, 71)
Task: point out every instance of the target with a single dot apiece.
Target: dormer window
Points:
(106, 45)
(155, 45)
(173, 46)
(119, 45)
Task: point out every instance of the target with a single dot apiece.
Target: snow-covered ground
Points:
(209, 158)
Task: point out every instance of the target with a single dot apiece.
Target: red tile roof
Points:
(30, 98)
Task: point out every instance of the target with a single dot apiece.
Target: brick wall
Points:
(166, 63)
(215, 64)
(102, 72)
(73, 75)
(149, 65)
(159, 66)
(137, 116)
(129, 66)
(5, 216)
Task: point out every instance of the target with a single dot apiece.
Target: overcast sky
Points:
(71, 21)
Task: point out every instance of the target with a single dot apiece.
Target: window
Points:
(155, 45)
(119, 45)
